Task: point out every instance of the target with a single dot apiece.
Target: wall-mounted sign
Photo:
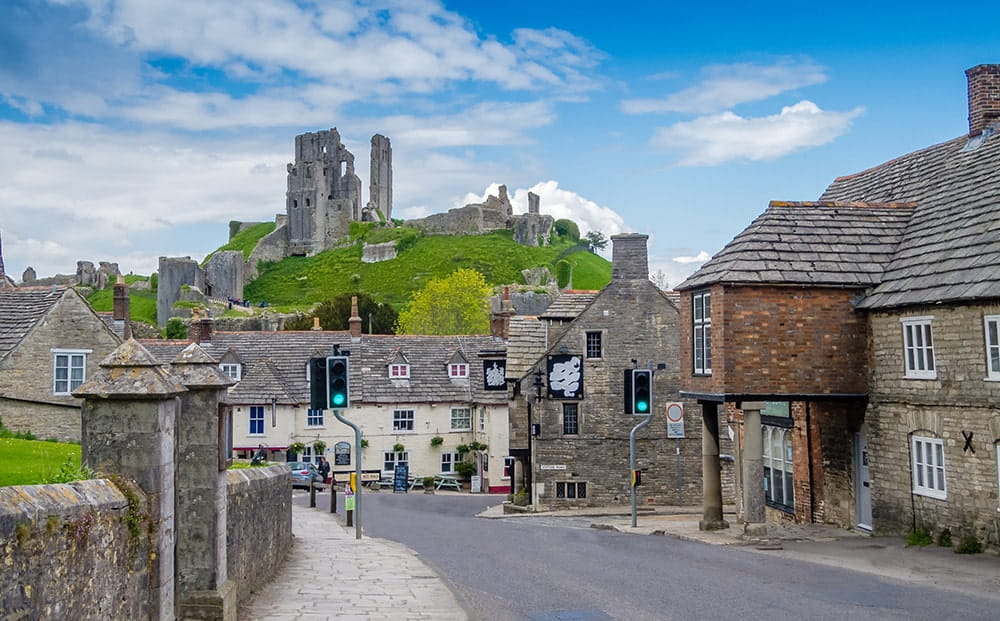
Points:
(494, 375)
(552, 467)
(342, 454)
(565, 376)
(675, 420)
(776, 408)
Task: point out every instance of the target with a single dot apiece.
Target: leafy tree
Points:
(567, 229)
(564, 273)
(334, 315)
(176, 329)
(455, 304)
(596, 240)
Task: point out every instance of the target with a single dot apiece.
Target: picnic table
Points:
(447, 480)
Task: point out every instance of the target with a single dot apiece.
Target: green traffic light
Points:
(642, 406)
(338, 399)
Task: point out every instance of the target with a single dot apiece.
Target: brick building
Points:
(571, 438)
(51, 341)
(854, 342)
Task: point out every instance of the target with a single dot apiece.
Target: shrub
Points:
(69, 472)
(398, 447)
(428, 482)
(944, 539)
(567, 229)
(175, 329)
(319, 447)
(521, 497)
(969, 544)
(919, 537)
(437, 441)
(564, 273)
(465, 469)
(297, 447)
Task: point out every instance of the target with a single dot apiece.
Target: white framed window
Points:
(231, 369)
(448, 461)
(458, 370)
(399, 371)
(482, 419)
(593, 345)
(69, 369)
(918, 348)
(391, 459)
(402, 420)
(571, 419)
(314, 418)
(992, 325)
(508, 467)
(779, 480)
(307, 455)
(256, 420)
(701, 324)
(461, 419)
(928, 467)
(571, 489)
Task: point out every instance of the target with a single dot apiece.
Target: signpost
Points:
(675, 420)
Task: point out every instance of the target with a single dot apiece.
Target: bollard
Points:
(349, 507)
(312, 494)
(333, 498)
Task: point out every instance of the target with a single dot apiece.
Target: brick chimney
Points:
(628, 257)
(500, 322)
(984, 97)
(200, 330)
(355, 320)
(120, 310)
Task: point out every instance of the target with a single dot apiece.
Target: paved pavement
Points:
(370, 579)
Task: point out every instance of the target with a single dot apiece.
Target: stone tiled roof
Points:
(950, 250)
(118, 327)
(526, 344)
(274, 365)
(816, 243)
(20, 311)
(569, 305)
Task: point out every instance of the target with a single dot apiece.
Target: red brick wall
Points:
(774, 340)
(984, 97)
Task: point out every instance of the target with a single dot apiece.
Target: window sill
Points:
(920, 377)
(463, 430)
(315, 426)
(782, 508)
(992, 378)
(928, 493)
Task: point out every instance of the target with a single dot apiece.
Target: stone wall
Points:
(224, 275)
(259, 525)
(374, 253)
(271, 247)
(67, 552)
(44, 420)
(958, 400)
(172, 273)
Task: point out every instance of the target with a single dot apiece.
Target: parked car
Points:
(303, 472)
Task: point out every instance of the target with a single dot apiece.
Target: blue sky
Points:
(131, 130)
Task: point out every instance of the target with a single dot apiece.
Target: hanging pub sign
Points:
(341, 454)
(565, 376)
(494, 374)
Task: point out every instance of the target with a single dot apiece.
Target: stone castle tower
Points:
(380, 179)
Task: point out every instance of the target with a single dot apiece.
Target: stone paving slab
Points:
(329, 574)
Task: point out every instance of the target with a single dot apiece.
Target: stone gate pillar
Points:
(129, 415)
(753, 469)
(711, 471)
(203, 588)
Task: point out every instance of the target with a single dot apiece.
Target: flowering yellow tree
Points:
(455, 304)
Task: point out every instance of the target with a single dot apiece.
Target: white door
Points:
(862, 482)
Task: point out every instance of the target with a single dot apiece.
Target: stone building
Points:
(51, 341)
(569, 432)
(854, 341)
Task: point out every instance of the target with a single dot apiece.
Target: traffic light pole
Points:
(631, 458)
(357, 468)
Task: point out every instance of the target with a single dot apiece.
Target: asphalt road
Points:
(545, 568)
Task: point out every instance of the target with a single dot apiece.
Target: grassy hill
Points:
(142, 303)
(305, 280)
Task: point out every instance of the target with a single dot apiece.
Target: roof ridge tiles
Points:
(898, 159)
(849, 204)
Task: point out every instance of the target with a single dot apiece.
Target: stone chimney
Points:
(316, 325)
(628, 256)
(120, 310)
(984, 97)
(355, 320)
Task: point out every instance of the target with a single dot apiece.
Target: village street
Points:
(539, 566)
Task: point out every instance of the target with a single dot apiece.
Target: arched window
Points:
(779, 483)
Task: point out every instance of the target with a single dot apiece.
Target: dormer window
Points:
(231, 369)
(399, 371)
(458, 370)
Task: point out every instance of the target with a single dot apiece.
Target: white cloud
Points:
(699, 258)
(712, 140)
(677, 264)
(726, 86)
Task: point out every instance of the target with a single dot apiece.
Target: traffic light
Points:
(317, 383)
(642, 391)
(636, 478)
(338, 394)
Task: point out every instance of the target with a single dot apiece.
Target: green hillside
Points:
(306, 280)
(142, 303)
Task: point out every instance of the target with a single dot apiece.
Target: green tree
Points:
(567, 229)
(597, 241)
(455, 304)
(176, 329)
(376, 317)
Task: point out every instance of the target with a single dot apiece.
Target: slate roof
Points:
(274, 365)
(569, 305)
(526, 344)
(950, 250)
(816, 243)
(118, 327)
(20, 310)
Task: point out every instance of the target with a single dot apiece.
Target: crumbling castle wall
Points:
(532, 229)
(224, 275)
(380, 180)
(98, 278)
(173, 272)
(374, 253)
(271, 247)
(493, 214)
